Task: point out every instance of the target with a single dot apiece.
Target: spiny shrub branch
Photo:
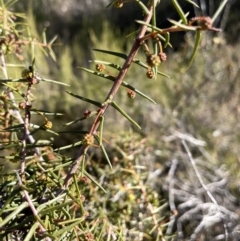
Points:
(118, 81)
(153, 60)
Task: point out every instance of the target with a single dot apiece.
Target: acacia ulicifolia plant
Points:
(56, 202)
(160, 39)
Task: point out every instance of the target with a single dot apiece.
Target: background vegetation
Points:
(152, 192)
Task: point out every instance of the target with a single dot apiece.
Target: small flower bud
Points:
(89, 236)
(22, 105)
(150, 73)
(85, 180)
(48, 124)
(163, 57)
(206, 23)
(88, 140)
(100, 67)
(131, 94)
(87, 113)
(153, 60)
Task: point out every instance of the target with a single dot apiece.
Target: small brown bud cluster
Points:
(85, 180)
(100, 67)
(207, 23)
(29, 76)
(150, 73)
(131, 94)
(88, 139)
(162, 56)
(12, 44)
(22, 105)
(89, 236)
(87, 113)
(203, 23)
(153, 60)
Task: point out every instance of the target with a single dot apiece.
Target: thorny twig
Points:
(26, 136)
(111, 94)
(205, 23)
(15, 112)
(32, 207)
(25, 130)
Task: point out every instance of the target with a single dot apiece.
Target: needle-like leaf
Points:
(125, 84)
(115, 66)
(111, 3)
(182, 26)
(85, 99)
(53, 81)
(69, 146)
(197, 42)
(94, 181)
(193, 3)
(44, 112)
(119, 109)
(103, 150)
(18, 128)
(219, 10)
(180, 11)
